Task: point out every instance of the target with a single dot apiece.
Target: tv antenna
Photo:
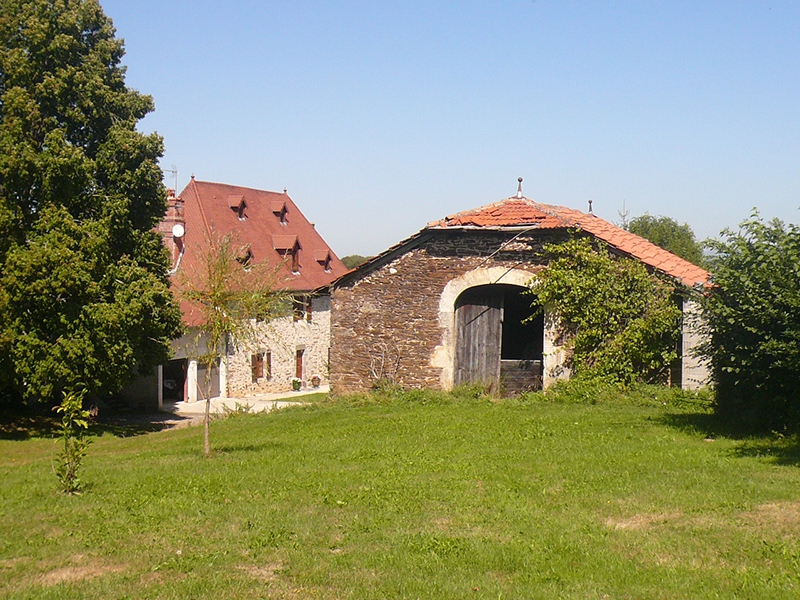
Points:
(623, 215)
(174, 171)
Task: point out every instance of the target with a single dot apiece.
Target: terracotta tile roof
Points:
(522, 212)
(284, 242)
(208, 207)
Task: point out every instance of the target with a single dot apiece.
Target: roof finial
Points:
(284, 190)
(519, 187)
(590, 206)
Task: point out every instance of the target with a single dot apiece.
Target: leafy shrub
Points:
(620, 322)
(580, 390)
(753, 313)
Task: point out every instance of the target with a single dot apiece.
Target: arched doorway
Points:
(497, 343)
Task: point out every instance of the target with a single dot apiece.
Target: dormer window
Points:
(279, 209)
(237, 205)
(245, 258)
(323, 257)
(289, 247)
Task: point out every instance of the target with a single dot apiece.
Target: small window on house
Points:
(288, 246)
(301, 308)
(268, 365)
(257, 366)
(238, 205)
(323, 257)
(298, 308)
(278, 208)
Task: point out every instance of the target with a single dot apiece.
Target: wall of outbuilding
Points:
(389, 324)
(695, 369)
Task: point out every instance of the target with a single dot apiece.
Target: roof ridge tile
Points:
(509, 213)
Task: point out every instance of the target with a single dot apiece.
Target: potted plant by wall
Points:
(315, 381)
(296, 383)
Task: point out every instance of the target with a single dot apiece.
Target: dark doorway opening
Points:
(523, 334)
(173, 378)
(499, 342)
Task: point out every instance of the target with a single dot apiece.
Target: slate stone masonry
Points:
(385, 323)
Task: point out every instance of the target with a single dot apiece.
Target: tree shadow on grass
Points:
(779, 448)
(24, 425)
(234, 448)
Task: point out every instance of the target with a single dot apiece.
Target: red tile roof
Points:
(213, 207)
(522, 212)
(284, 242)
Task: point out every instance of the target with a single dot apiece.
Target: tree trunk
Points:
(206, 442)
(206, 394)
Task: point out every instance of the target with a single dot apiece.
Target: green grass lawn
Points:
(424, 496)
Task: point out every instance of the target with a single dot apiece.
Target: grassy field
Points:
(419, 496)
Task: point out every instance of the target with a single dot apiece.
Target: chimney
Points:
(173, 227)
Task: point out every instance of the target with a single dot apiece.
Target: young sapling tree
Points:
(230, 295)
(74, 424)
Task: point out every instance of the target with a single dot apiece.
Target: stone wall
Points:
(695, 370)
(396, 322)
(282, 338)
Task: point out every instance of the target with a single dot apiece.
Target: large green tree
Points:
(753, 313)
(351, 261)
(84, 292)
(620, 322)
(670, 235)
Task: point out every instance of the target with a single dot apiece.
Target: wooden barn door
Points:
(479, 332)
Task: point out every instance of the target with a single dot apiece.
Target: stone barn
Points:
(447, 305)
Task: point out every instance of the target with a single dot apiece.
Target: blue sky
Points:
(381, 116)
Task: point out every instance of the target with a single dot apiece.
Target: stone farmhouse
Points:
(269, 227)
(445, 306)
